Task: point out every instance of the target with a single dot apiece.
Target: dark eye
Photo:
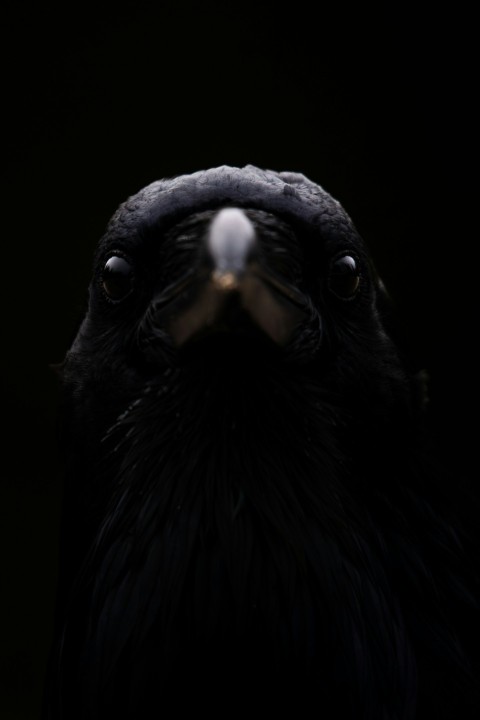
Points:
(117, 277)
(344, 277)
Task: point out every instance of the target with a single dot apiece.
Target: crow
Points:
(253, 517)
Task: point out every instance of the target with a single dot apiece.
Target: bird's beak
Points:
(232, 290)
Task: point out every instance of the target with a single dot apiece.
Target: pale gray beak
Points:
(234, 285)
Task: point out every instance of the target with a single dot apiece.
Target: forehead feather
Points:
(291, 196)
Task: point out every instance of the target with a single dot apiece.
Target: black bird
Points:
(253, 520)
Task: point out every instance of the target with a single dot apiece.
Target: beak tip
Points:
(225, 281)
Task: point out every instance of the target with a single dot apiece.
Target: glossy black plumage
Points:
(248, 524)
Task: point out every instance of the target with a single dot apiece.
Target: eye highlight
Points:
(117, 278)
(344, 277)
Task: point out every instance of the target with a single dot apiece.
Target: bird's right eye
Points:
(344, 277)
(117, 278)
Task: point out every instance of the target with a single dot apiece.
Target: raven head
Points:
(240, 266)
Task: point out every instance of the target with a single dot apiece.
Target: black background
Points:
(99, 100)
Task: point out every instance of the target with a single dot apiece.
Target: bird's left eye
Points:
(117, 277)
(344, 277)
